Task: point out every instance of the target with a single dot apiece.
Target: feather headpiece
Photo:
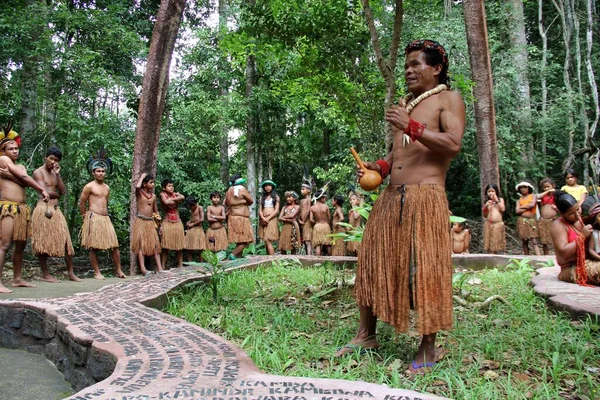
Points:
(320, 193)
(306, 180)
(7, 135)
(100, 160)
(352, 191)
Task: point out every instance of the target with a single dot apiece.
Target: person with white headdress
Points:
(526, 210)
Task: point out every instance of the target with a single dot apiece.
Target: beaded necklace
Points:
(413, 103)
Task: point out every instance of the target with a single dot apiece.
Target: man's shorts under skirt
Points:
(320, 234)
(408, 264)
(339, 247)
(173, 236)
(527, 228)
(544, 226)
(567, 274)
(144, 237)
(50, 236)
(195, 238)
(97, 232)
(494, 237)
(20, 213)
(269, 232)
(239, 229)
(216, 239)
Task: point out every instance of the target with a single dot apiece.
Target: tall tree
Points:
(387, 67)
(154, 90)
(251, 123)
(224, 138)
(481, 71)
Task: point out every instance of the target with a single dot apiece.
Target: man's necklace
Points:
(413, 103)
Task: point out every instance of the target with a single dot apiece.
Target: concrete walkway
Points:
(61, 289)
(114, 344)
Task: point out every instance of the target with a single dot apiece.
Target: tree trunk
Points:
(544, 36)
(386, 67)
(154, 90)
(518, 41)
(595, 157)
(224, 135)
(326, 146)
(251, 129)
(481, 72)
(29, 82)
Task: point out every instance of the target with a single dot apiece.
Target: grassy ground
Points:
(290, 320)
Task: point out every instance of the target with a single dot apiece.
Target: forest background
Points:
(263, 87)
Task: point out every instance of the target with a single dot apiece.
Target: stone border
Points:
(579, 301)
(111, 345)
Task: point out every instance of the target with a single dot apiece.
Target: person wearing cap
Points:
(405, 259)
(14, 212)
(268, 229)
(569, 237)
(237, 202)
(526, 209)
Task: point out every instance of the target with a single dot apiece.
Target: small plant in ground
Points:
(215, 268)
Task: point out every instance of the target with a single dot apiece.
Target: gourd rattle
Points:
(370, 179)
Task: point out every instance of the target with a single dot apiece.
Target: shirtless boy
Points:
(461, 238)
(237, 201)
(320, 217)
(405, 261)
(173, 237)
(97, 232)
(195, 240)
(216, 235)
(339, 247)
(303, 218)
(50, 236)
(14, 213)
(144, 236)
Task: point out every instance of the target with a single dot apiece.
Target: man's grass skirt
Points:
(269, 232)
(173, 236)
(195, 238)
(339, 247)
(239, 229)
(144, 237)
(494, 237)
(408, 264)
(50, 236)
(98, 232)
(307, 230)
(320, 234)
(216, 239)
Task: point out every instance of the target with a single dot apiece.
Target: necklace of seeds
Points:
(413, 103)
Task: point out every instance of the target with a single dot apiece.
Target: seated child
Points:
(526, 208)
(461, 238)
(289, 239)
(494, 236)
(195, 240)
(216, 235)
(548, 212)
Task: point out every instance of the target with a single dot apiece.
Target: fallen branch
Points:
(479, 305)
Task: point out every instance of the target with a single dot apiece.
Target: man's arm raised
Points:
(26, 179)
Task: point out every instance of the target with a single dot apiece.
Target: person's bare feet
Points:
(21, 283)
(74, 278)
(120, 274)
(358, 346)
(99, 276)
(4, 289)
(50, 278)
(423, 365)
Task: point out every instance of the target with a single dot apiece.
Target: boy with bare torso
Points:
(50, 232)
(303, 218)
(461, 238)
(97, 231)
(14, 213)
(216, 235)
(144, 236)
(339, 247)
(320, 216)
(195, 240)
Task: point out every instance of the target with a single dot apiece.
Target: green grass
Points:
(517, 351)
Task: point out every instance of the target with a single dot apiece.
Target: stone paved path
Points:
(579, 301)
(114, 344)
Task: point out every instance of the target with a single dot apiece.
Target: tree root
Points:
(480, 305)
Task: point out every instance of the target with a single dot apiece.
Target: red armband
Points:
(385, 167)
(414, 129)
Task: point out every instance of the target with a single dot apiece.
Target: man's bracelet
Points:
(385, 167)
(414, 129)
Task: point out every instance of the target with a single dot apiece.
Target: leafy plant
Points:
(215, 268)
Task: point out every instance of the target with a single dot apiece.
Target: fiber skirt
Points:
(339, 247)
(50, 236)
(97, 232)
(195, 239)
(567, 274)
(320, 234)
(527, 228)
(544, 226)
(289, 239)
(173, 237)
(307, 230)
(240, 229)
(408, 264)
(494, 237)
(216, 239)
(144, 237)
(269, 232)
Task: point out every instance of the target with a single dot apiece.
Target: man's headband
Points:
(428, 45)
(291, 193)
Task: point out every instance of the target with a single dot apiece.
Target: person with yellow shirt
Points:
(578, 191)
